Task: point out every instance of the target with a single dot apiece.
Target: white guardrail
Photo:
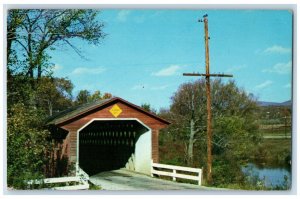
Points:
(82, 185)
(81, 177)
(173, 172)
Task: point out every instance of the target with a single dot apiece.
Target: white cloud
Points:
(277, 49)
(235, 68)
(280, 68)
(57, 67)
(163, 87)
(147, 87)
(169, 71)
(139, 87)
(123, 15)
(88, 70)
(264, 84)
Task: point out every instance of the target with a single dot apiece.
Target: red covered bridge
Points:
(107, 135)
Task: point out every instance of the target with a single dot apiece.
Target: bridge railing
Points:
(82, 184)
(172, 171)
(81, 179)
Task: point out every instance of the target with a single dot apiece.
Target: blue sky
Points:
(146, 51)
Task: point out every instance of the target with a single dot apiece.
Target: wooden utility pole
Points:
(208, 99)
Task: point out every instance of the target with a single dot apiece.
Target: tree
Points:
(54, 94)
(82, 97)
(85, 96)
(32, 92)
(186, 113)
(148, 108)
(14, 21)
(27, 145)
(234, 123)
(35, 31)
(107, 96)
(31, 33)
(94, 97)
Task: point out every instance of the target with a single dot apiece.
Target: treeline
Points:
(270, 115)
(33, 93)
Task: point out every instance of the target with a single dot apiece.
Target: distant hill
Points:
(263, 103)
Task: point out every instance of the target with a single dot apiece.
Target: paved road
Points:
(123, 179)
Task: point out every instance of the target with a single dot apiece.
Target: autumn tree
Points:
(186, 113)
(234, 124)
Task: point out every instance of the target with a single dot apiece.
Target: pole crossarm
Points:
(207, 75)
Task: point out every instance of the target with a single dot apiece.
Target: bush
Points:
(26, 146)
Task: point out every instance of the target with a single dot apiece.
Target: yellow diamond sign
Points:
(115, 110)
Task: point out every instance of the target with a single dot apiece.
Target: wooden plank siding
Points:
(102, 112)
(155, 147)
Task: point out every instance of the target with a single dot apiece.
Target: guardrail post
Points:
(152, 168)
(200, 177)
(174, 175)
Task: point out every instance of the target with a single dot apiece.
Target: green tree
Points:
(148, 108)
(32, 94)
(35, 31)
(14, 21)
(234, 125)
(54, 94)
(85, 96)
(95, 96)
(27, 145)
(82, 97)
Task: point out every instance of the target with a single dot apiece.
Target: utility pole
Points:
(207, 76)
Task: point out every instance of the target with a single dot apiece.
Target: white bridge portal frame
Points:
(143, 146)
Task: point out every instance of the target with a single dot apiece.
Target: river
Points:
(271, 177)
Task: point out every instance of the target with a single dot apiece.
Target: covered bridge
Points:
(107, 135)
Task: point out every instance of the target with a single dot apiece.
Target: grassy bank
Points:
(272, 152)
(275, 131)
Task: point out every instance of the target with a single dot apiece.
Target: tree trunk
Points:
(192, 134)
(31, 66)
(39, 71)
(50, 106)
(9, 42)
(191, 143)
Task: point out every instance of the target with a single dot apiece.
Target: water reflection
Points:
(271, 177)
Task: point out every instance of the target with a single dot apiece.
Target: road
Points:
(123, 179)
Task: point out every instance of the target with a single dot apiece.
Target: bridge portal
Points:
(107, 135)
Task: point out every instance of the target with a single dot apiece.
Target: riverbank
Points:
(269, 165)
(272, 152)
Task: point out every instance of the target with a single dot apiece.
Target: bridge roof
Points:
(76, 111)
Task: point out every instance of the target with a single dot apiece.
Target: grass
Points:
(277, 145)
(94, 187)
(273, 152)
(281, 131)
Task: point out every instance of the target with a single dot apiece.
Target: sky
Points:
(145, 52)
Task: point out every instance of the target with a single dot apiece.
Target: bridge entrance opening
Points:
(106, 145)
